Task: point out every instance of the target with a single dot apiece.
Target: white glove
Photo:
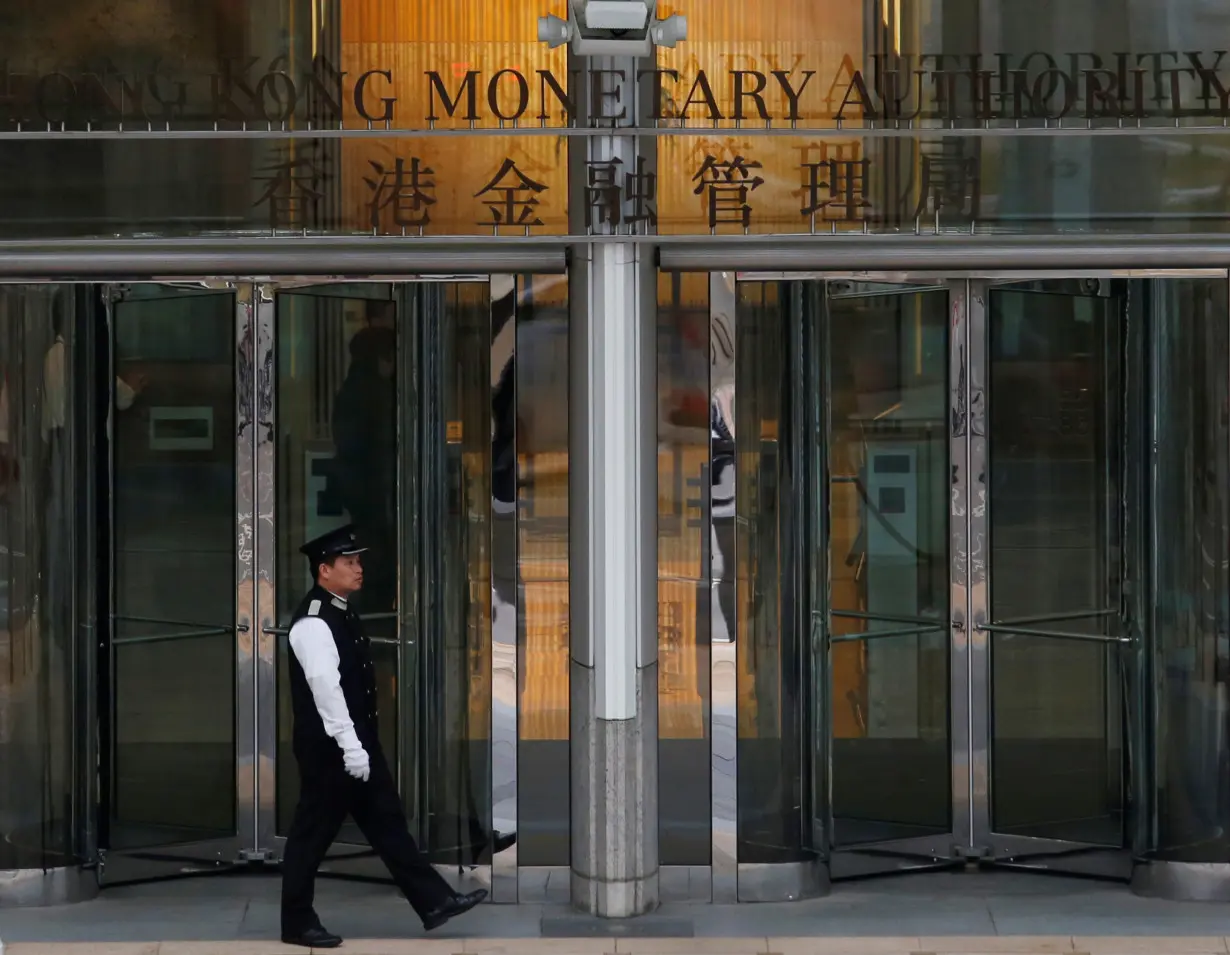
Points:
(357, 763)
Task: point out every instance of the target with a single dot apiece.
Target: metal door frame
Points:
(972, 836)
(177, 859)
(255, 839)
(268, 843)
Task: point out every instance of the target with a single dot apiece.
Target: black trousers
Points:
(326, 796)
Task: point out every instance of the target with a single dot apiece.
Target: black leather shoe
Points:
(455, 906)
(502, 841)
(318, 937)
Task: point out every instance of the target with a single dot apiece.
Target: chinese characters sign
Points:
(699, 185)
(767, 184)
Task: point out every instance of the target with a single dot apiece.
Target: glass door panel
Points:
(171, 800)
(1055, 518)
(885, 352)
(454, 537)
(338, 386)
(383, 399)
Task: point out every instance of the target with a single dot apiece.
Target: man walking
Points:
(341, 766)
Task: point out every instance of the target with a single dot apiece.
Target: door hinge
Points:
(971, 853)
(255, 856)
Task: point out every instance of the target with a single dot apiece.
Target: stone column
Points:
(613, 529)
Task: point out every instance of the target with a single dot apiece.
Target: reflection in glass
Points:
(685, 549)
(888, 453)
(772, 640)
(338, 389)
(1190, 530)
(173, 500)
(534, 475)
(454, 719)
(1055, 441)
(44, 405)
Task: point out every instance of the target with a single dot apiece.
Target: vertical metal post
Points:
(977, 828)
(247, 615)
(961, 546)
(505, 639)
(723, 678)
(264, 642)
(613, 528)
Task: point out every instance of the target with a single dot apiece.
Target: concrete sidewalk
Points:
(963, 945)
(940, 913)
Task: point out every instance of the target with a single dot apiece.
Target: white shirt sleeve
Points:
(313, 646)
(124, 395)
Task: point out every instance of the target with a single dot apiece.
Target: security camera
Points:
(613, 28)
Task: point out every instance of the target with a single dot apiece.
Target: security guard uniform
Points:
(341, 766)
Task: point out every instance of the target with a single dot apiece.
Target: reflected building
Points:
(817, 471)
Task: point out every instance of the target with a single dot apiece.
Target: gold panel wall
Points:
(411, 38)
(796, 37)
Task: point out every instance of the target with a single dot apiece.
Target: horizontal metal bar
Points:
(946, 252)
(385, 641)
(388, 615)
(1053, 617)
(178, 635)
(895, 289)
(888, 618)
(999, 275)
(1055, 634)
(276, 631)
(881, 634)
(125, 618)
(344, 258)
(341, 256)
(902, 130)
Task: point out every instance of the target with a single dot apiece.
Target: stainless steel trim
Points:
(505, 685)
(188, 624)
(306, 284)
(968, 253)
(723, 661)
(246, 611)
(264, 356)
(1183, 881)
(997, 276)
(1074, 126)
(881, 634)
(685, 883)
(782, 882)
(931, 623)
(1056, 617)
(959, 703)
(1054, 634)
(1012, 845)
(175, 635)
(36, 888)
(978, 504)
(358, 257)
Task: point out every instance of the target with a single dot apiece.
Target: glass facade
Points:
(941, 567)
(47, 625)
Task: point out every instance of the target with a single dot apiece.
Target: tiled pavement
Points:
(938, 914)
